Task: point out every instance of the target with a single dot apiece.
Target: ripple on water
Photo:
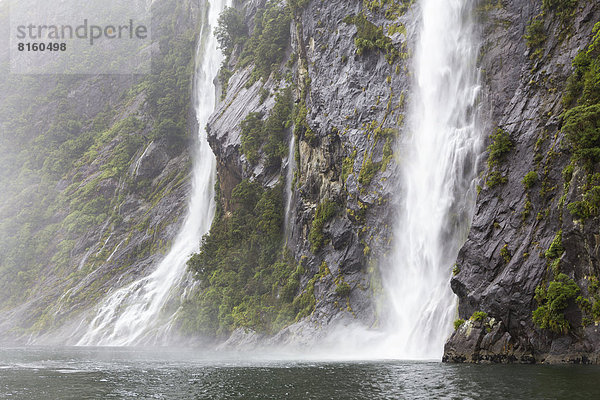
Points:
(137, 374)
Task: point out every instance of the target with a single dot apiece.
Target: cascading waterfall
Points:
(132, 315)
(437, 182)
(289, 191)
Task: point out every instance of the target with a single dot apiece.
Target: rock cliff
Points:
(348, 111)
(331, 79)
(95, 178)
(531, 260)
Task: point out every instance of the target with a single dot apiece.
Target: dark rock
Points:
(346, 93)
(523, 96)
(152, 161)
(464, 344)
(340, 231)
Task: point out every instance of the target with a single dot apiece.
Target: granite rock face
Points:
(146, 193)
(355, 103)
(347, 98)
(503, 260)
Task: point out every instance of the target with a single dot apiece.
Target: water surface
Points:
(124, 373)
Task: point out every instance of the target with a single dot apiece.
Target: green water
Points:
(122, 373)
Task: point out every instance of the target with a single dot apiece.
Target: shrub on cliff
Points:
(582, 122)
(371, 37)
(500, 146)
(480, 316)
(556, 248)
(325, 211)
(530, 179)
(535, 37)
(269, 40)
(244, 279)
(252, 136)
(553, 302)
(342, 289)
(270, 134)
(563, 9)
(458, 323)
(582, 126)
(231, 30)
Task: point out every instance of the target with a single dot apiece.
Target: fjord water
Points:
(438, 159)
(133, 314)
(124, 373)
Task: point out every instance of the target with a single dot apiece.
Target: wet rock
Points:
(152, 161)
(340, 231)
(484, 342)
(242, 339)
(346, 93)
(464, 344)
(523, 97)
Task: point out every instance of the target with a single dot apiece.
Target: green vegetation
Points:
(579, 210)
(370, 168)
(560, 293)
(556, 248)
(169, 89)
(297, 5)
(589, 206)
(501, 145)
(536, 34)
(368, 171)
(505, 254)
(342, 289)
(592, 199)
(324, 213)
(495, 178)
(563, 9)
(245, 280)
(455, 270)
(485, 6)
(252, 136)
(553, 301)
(526, 209)
(393, 8)
(348, 166)
(301, 128)
(458, 323)
(266, 46)
(582, 127)
(60, 168)
(371, 37)
(530, 179)
(567, 173)
(582, 85)
(590, 307)
(479, 316)
(270, 134)
(231, 30)
(535, 37)
(305, 302)
(554, 252)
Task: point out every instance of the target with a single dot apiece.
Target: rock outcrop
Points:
(106, 185)
(508, 252)
(347, 65)
(355, 108)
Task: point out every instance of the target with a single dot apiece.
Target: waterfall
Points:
(132, 315)
(437, 181)
(289, 190)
